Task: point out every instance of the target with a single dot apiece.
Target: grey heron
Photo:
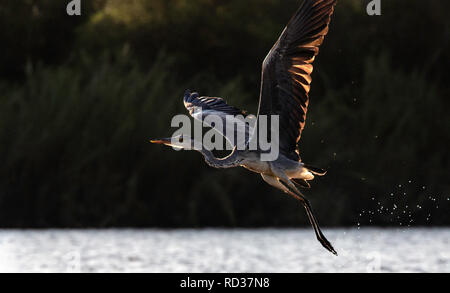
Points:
(285, 85)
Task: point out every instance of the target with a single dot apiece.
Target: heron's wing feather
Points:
(286, 73)
(210, 110)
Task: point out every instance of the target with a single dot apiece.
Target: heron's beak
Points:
(164, 141)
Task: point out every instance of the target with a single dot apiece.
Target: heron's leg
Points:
(273, 181)
(289, 187)
(294, 192)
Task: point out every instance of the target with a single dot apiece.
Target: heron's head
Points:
(180, 142)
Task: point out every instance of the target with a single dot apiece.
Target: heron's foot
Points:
(325, 243)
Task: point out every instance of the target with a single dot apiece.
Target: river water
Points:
(224, 251)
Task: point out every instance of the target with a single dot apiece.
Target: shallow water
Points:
(260, 251)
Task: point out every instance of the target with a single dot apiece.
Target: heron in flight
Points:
(285, 86)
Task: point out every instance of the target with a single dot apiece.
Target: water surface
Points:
(260, 251)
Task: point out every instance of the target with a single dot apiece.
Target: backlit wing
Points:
(286, 73)
(209, 109)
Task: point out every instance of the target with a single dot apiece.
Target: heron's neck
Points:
(231, 161)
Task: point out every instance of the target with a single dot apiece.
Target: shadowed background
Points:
(81, 96)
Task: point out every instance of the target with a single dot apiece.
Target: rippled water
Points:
(365, 250)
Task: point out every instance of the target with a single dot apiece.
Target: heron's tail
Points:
(314, 170)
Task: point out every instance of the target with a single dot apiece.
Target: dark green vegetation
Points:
(81, 96)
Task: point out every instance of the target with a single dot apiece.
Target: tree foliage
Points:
(81, 96)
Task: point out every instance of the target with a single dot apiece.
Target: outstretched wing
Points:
(234, 130)
(286, 73)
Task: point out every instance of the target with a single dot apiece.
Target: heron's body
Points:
(293, 169)
(251, 161)
(285, 86)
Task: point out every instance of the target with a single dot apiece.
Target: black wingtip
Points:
(189, 96)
